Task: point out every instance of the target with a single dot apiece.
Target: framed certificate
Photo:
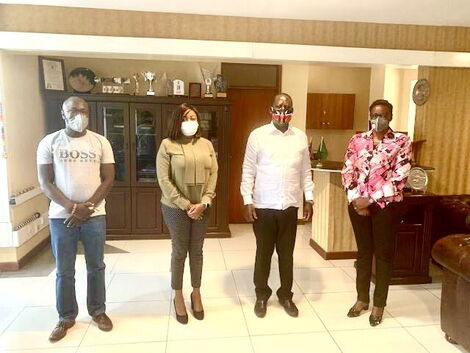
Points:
(52, 74)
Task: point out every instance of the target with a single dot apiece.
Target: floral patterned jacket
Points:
(379, 172)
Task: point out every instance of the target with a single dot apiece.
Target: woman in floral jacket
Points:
(376, 166)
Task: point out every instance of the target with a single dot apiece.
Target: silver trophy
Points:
(149, 76)
(208, 71)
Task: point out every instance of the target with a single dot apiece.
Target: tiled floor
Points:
(139, 302)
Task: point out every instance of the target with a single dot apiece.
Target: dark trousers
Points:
(375, 235)
(274, 229)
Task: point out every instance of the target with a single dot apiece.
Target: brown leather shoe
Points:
(60, 330)
(103, 321)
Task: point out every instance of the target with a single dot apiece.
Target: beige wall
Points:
(187, 71)
(335, 79)
(295, 83)
(397, 91)
(24, 128)
(24, 118)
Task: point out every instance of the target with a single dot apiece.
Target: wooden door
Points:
(146, 211)
(249, 110)
(331, 111)
(118, 211)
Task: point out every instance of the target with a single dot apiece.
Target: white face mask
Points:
(189, 127)
(77, 123)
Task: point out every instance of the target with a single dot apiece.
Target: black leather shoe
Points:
(182, 319)
(356, 310)
(103, 321)
(289, 307)
(260, 307)
(375, 320)
(197, 314)
(60, 330)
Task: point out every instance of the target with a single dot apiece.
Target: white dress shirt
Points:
(276, 168)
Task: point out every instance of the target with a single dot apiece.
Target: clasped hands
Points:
(361, 206)
(195, 211)
(79, 213)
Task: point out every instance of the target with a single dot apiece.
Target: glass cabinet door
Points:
(113, 119)
(146, 137)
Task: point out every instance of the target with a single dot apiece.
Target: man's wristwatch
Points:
(207, 205)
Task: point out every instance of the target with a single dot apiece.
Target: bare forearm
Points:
(54, 194)
(101, 193)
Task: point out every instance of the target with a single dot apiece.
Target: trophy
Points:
(136, 79)
(149, 76)
(208, 72)
(220, 85)
(120, 84)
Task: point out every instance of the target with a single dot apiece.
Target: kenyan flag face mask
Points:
(281, 116)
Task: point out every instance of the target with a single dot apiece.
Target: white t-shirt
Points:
(76, 162)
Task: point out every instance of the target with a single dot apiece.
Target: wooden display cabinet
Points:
(135, 127)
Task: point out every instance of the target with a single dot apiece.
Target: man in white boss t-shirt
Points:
(76, 172)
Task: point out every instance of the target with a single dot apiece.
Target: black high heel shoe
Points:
(197, 314)
(375, 320)
(182, 319)
(355, 311)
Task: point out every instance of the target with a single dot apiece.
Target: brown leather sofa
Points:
(451, 216)
(453, 253)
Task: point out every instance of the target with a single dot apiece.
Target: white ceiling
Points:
(424, 12)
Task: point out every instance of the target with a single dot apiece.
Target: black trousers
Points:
(375, 235)
(274, 229)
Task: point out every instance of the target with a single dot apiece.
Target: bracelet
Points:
(74, 208)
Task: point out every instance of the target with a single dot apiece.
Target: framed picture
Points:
(194, 90)
(52, 74)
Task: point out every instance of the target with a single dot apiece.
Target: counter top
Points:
(335, 167)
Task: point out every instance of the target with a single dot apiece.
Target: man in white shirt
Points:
(276, 169)
(76, 172)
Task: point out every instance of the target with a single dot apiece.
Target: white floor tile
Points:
(223, 318)
(308, 258)
(323, 280)
(214, 284)
(343, 263)
(414, 307)
(213, 261)
(142, 262)
(437, 292)
(153, 347)
(32, 328)
(350, 271)
(8, 314)
(133, 322)
(333, 307)
(18, 291)
(277, 321)
(299, 343)
(130, 287)
(302, 242)
(212, 245)
(383, 340)
(226, 345)
(246, 288)
(244, 259)
(432, 338)
(147, 246)
(46, 350)
(239, 242)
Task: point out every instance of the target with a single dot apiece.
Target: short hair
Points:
(383, 102)
(174, 125)
(73, 99)
(288, 98)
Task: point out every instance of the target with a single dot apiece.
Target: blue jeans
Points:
(64, 243)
